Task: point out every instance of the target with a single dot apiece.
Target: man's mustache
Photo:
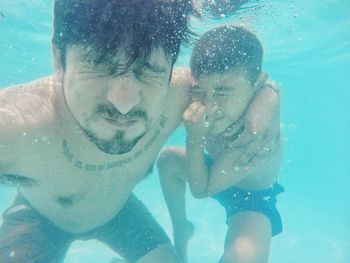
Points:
(112, 112)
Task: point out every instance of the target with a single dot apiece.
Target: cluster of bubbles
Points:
(221, 8)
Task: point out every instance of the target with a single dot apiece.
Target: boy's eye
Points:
(222, 91)
(196, 90)
(197, 94)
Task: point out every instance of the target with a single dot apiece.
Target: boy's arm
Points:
(227, 169)
(259, 149)
(197, 172)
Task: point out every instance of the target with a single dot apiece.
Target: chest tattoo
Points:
(90, 167)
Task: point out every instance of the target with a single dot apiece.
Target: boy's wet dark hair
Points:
(136, 27)
(227, 48)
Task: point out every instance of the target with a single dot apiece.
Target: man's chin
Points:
(114, 146)
(118, 143)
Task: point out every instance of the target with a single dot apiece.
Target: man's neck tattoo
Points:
(111, 165)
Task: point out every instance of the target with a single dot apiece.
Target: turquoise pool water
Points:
(307, 50)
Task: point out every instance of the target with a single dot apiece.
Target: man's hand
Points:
(260, 136)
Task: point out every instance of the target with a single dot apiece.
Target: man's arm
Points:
(227, 170)
(11, 122)
(10, 133)
(178, 97)
(25, 111)
(6, 140)
(261, 120)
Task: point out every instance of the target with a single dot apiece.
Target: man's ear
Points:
(57, 59)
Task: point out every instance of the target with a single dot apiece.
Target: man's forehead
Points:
(158, 56)
(122, 58)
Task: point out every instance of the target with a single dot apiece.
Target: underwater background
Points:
(307, 51)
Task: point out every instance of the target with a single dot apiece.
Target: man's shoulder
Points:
(26, 111)
(179, 97)
(27, 108)
(28, 102)
(181, 79)
(42, 87)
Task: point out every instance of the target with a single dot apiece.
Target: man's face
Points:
(115, 105)
(225, 96)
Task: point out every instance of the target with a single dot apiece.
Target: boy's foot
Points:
(182, 236)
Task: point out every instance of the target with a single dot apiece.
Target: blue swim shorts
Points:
(236, 200)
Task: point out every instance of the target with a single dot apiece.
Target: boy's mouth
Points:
(233, 132)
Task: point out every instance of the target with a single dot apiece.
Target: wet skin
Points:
(80, 141)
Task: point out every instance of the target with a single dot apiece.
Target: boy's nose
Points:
(212, 111)
(212, 106)
(124, 94)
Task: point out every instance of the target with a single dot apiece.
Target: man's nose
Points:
(124, 93)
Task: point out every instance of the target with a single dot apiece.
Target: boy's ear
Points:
(57, 59)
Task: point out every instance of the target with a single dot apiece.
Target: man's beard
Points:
(116, 145)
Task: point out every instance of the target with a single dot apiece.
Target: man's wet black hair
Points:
(227, 48)
(137, 27)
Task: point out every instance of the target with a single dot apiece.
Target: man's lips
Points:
(121, 122)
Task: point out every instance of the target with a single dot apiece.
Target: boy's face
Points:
(115, 110)
(225, 96)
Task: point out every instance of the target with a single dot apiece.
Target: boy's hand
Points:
(194, 119)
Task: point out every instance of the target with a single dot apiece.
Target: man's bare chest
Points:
(59, 167)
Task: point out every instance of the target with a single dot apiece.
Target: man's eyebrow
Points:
(155, 67)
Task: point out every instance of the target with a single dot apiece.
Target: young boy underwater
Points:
(226, 65)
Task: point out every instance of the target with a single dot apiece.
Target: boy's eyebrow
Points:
(196, 88)
(223, 87)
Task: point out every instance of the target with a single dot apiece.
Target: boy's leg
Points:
(172, 173)
(248, 238)
(28, 237)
